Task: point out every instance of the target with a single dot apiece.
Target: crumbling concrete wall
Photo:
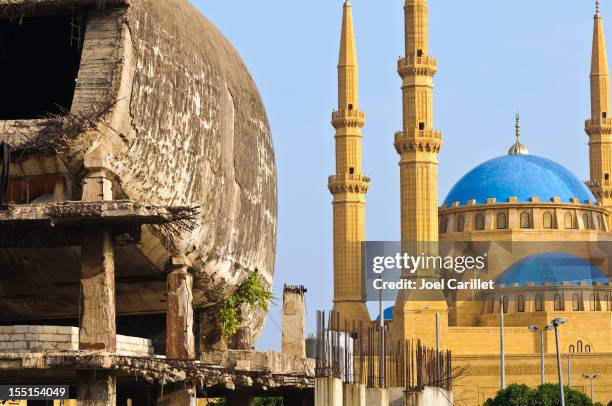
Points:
(187, 127)
(294, 321)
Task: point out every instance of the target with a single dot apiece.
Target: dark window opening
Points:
(352, 171)
(604, 115)
(607, 176)
(39, 63)
(421, 126)
(419, 52)
(350, 107)
(36, 190)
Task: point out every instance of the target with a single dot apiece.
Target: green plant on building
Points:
(251, 293)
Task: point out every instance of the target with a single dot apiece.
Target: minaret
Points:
(349, 185)
(599, 126)
(418, 146)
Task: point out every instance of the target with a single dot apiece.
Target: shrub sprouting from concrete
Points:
(251, 293)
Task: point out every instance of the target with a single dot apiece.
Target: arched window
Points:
(525, 220)
(585, 220)
(579, 346)
(501, 221)
(460, 223)
(572, 349)
(505, 302)
(576, 302)
(558, 302)
(548, 219)
(568, 219)
(592, 302)
(606, 299)
(539, 303)
(587, 348)
(445, 225)
(520, 304)
(479, 222)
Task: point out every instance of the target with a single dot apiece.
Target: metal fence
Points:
(353, 352)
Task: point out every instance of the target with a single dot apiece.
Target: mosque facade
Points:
(546, 233)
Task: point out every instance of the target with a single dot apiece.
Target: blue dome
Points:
(388, 312)
(522, 176)
(553, 267)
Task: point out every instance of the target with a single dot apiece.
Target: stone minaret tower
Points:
(349, 185)
(418, 146)
(599, 126)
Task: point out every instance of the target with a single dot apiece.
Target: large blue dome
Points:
(552, 267)
(521, 176)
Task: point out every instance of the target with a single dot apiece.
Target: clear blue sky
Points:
(494, 57)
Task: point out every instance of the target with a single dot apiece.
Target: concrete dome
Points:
(521, 176)
(200, 137)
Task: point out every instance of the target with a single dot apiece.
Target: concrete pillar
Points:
(294, 321)
(377, 397)
(97, 184)
(181, 397)
(179, 317)
(96, 388)
(211, 339)
(354, 394)
(97, 308)
(328, 392)
(97, 324)
(97, 329)
(240, 399)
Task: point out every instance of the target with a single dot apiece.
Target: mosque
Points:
(547, 234)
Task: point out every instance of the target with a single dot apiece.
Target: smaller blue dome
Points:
(552, 267)
(388, 312)
(520, 176)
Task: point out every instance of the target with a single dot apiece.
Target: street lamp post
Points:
(502, 360)
(590, 378)
(542, 331)
(555, 324)
(438, 358)
(569, 369)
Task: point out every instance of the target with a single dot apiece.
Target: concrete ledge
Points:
(273, 362)
(103, 212)
(157, 369)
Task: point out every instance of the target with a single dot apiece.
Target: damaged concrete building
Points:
(139, 191)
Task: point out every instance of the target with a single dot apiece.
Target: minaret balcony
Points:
(418, 140)
(598, 126)
(417, 65)
(348, 118)
(348, 183)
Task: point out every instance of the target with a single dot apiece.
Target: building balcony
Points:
(598, 126)
(418, 140)
(348, 118)
(348, 183)
(417, 65)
